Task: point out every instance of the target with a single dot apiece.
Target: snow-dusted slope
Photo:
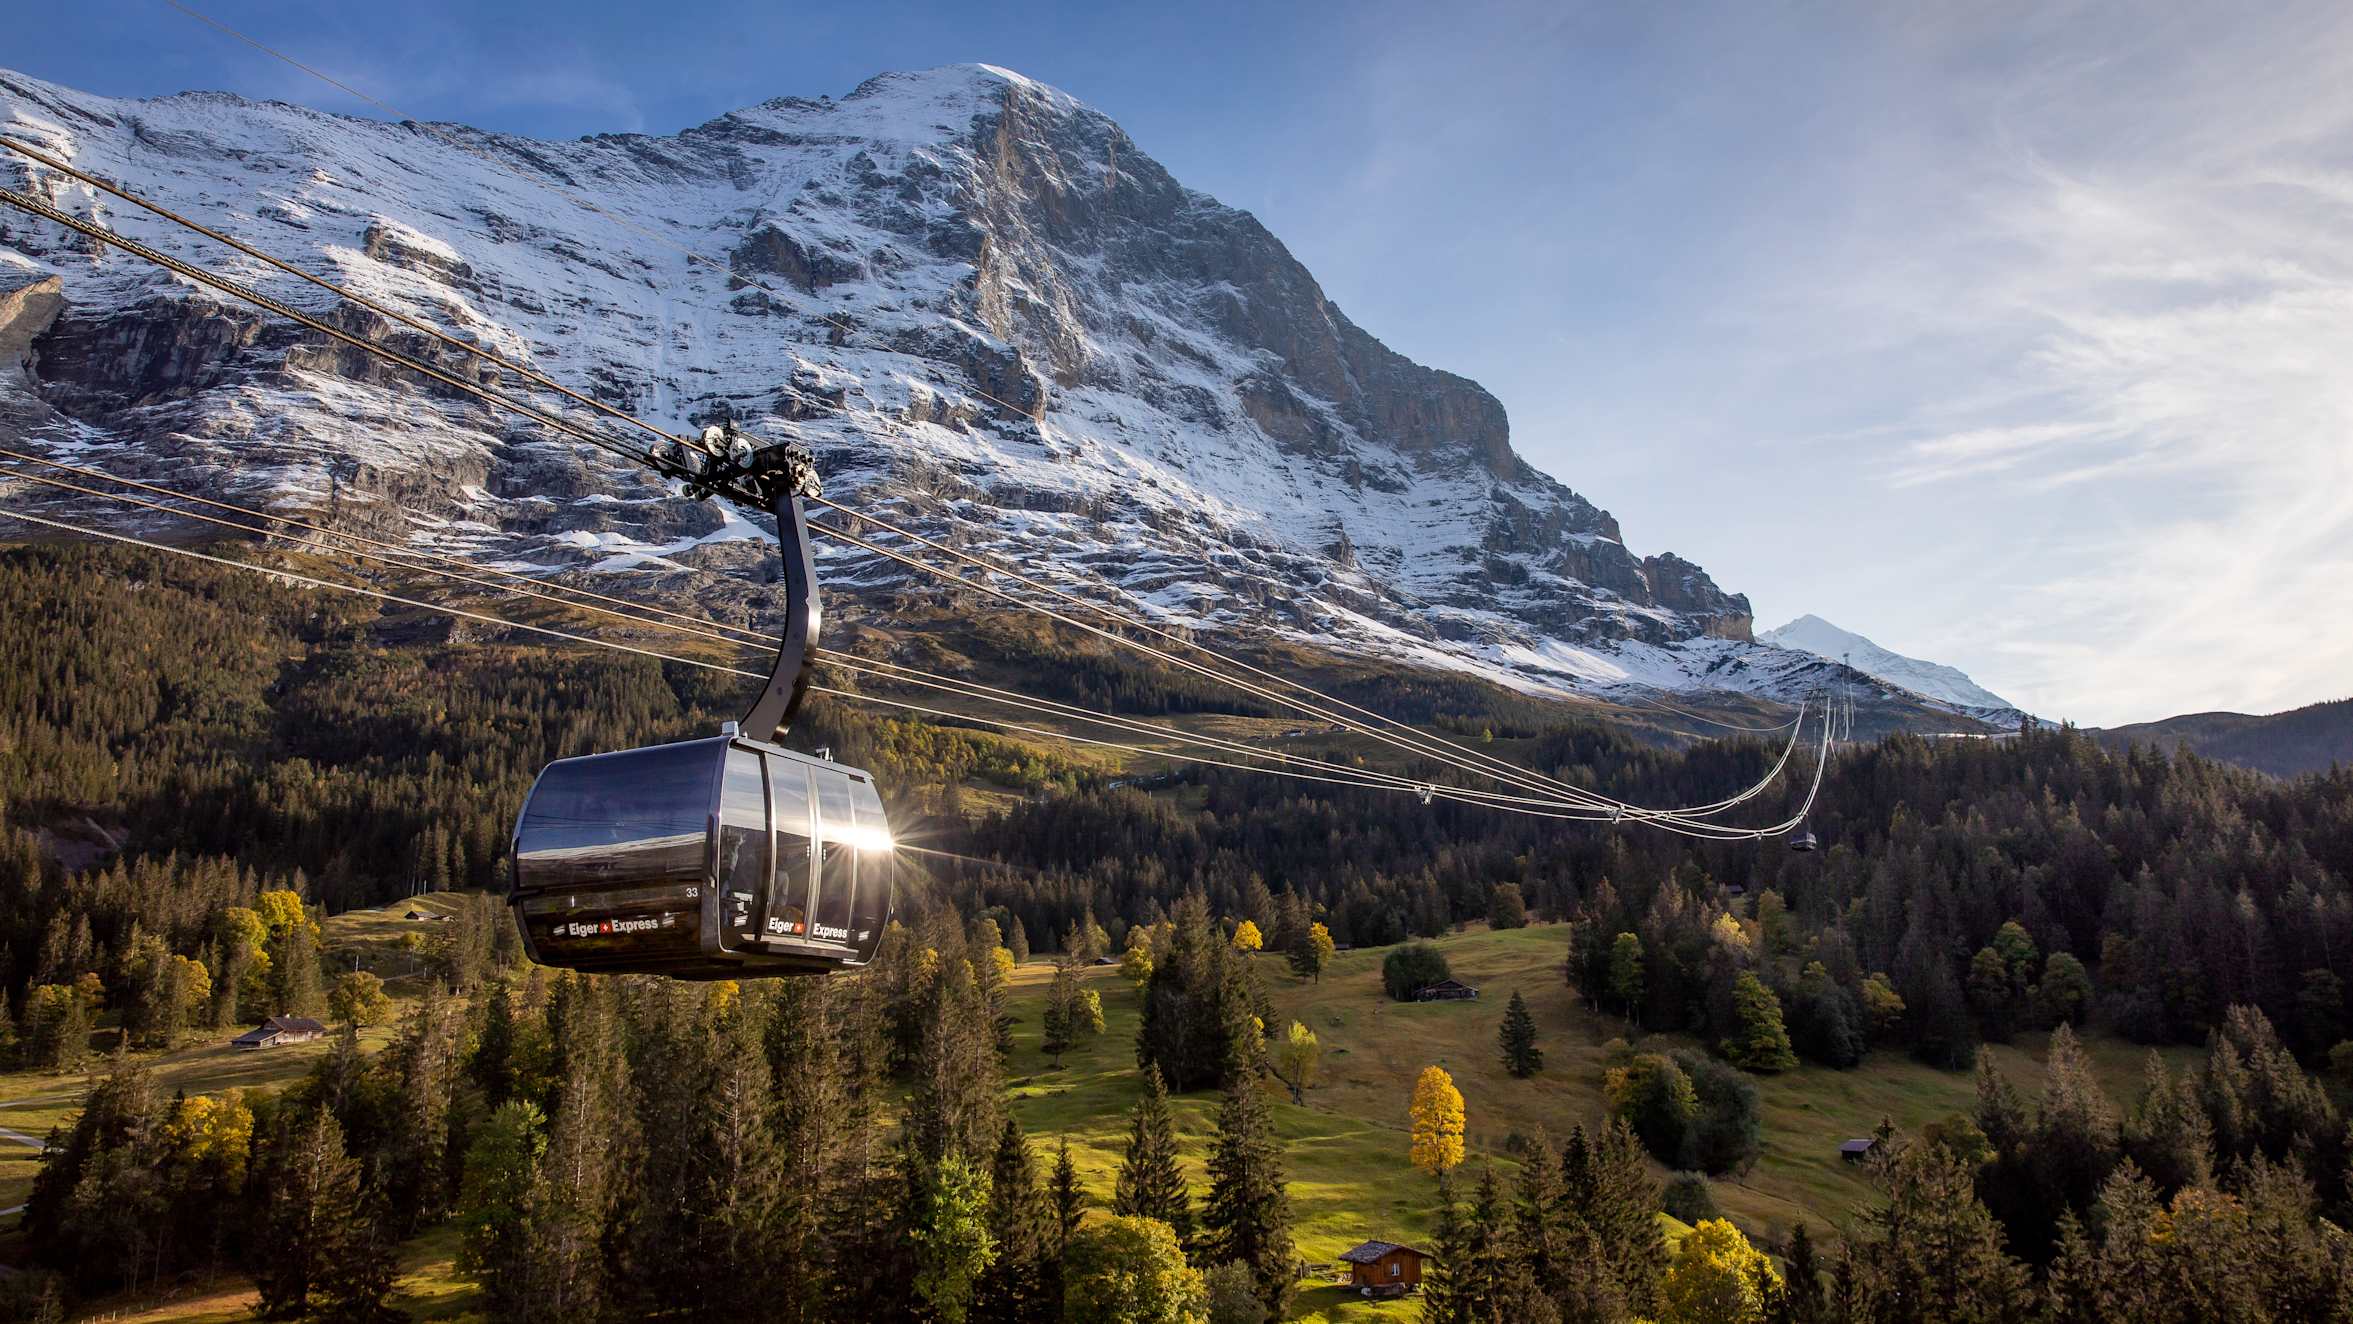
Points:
(987, 310)
(1930, 680)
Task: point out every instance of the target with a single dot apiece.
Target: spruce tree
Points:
(1933, 1253)
(1623, 1214)
(491, 1066)
(1521, 1056)
(1247, 1217)
(2168, 1134)
(320, 1252)
(1069, 1199)
(737, 1188)
(1150, 1183)
(1018, 1287)
(295, 985)
(1802, 1302)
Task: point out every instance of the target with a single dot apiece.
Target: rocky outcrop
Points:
(28, 308)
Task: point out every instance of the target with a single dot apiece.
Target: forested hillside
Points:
(2309, 739)
(197, 765)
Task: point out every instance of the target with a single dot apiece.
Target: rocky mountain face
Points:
(989, 313)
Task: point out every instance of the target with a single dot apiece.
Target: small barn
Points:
(1445, 990)
(1855, 1151)
(1384, 1268)
(279, 1031)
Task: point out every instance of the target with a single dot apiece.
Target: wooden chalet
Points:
(1445, 990)
(279, 1031)
(1856, 1150)
(1384, 1268)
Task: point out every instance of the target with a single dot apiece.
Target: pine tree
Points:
(1802, 1301)
(568, 1210)
(1623, 1212)
(1018, 1287)
(1197, 1025)
(1068, 1198)
(1933, 1253)
(295, 984)
(1073, 1012)
(2168, 1135)
(1247, 1217)
(1521, 1056)
(737, 1192)
(425, 1055)
(321, 1252)
(492, 1065)
(1150, 1184)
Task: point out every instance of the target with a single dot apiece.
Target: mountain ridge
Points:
(1935, 681)
(985, 308)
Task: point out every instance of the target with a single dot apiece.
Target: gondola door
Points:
(837, 852)
(796, 842)
(747, 851)
(877, 860)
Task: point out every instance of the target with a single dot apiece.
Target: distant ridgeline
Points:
(196, 716)
(2289, 744)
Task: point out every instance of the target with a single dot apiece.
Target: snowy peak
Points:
(992, 315)
(1930, 680)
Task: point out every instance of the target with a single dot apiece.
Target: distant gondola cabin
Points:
(1384, 1268)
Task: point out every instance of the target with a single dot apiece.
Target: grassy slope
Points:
(1350, 1179)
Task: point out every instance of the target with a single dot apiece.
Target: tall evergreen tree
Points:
(320, 1252)
(1521, 1056)
(491, 1066)
(1019, 1288)
(1801, 1298)
(1197, 1025)
(1933, 1254)
(1622, 1211)
(1068, 1197)
(738, 1187)
(1247, 1217)
(1150, 1183)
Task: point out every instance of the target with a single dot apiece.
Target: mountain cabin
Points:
(1384, 1268)
(1445, 990)
(279, 1031)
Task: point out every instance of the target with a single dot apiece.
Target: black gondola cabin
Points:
(725, 858)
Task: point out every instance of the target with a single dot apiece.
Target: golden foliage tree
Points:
(1437, 1121)
(1717, 1278)
(1247, 937)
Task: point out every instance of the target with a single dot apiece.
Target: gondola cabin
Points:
(725, 858)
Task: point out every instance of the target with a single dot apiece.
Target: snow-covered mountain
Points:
(988, 311)
(1934, 681)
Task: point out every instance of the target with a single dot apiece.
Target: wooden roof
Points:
(1372, 1252)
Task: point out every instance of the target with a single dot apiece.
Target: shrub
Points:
(1688, 1198)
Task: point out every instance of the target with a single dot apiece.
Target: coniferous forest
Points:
(197, 768)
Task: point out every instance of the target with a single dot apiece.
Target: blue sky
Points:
(2013, 336)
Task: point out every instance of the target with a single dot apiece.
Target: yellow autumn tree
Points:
(1437, 1121)
(1717, 1278)
(1247, 938)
